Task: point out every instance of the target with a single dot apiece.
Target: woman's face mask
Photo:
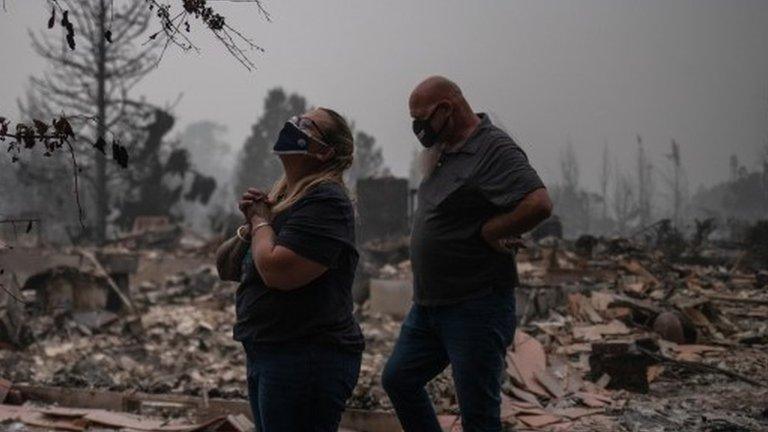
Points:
(294, 138)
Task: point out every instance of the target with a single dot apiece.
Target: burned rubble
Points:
(613, 334)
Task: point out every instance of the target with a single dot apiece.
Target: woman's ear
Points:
(325, 154)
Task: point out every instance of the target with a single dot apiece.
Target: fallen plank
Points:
(561, 427)
(539, 420)
(550, 382)
(576, 412)
(591, 400)
(525, 396)
(57, 411)
(125, 421)
(79, 419)
(733, 299)
(696, 349)
(10, 412)
(34, 418)
(703, 367)
(508, 409)
(358, 420)
(575, 348)
(596, 332)
(110, 282)
(525, 360)
(634, 304)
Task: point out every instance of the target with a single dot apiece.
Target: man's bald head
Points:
(434, 90)
(440, 113)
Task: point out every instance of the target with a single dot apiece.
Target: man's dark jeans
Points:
(471, 336)
(300, 387)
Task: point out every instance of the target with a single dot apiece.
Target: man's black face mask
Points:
(426, 135)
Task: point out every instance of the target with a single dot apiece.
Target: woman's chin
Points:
(300, 163)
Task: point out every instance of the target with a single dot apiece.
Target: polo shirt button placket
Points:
(441, 160)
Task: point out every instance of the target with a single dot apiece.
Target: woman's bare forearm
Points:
(279, 267)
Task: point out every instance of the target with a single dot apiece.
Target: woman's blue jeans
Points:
(299, 387)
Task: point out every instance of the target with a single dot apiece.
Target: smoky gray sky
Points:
(592, 71)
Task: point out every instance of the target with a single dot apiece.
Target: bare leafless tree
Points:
(96, 80)
(624, 202)
(675, 183)
(605, 176)
(764, 159)
(644, 185)
(574, 203)
(569, 167)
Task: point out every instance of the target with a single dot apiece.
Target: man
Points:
(478, 192)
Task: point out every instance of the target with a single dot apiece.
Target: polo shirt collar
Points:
(472, 144)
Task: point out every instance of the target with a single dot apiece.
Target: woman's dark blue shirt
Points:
(321, 227)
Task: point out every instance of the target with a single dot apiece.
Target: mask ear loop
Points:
(445, 122)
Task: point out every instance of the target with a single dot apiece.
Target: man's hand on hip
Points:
(502, 245)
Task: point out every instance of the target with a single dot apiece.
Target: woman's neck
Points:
(293, 175)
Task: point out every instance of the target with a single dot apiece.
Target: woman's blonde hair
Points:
(340, 138)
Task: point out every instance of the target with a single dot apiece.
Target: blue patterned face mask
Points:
(291, 140)
(294, 138)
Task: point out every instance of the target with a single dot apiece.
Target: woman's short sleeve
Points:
(320, 226)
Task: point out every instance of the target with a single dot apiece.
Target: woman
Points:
(295, 260)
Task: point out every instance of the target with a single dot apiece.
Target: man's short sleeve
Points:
(504, 174)
(318, 227)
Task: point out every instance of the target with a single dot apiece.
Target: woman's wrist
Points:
(255, 220)
(258, 226)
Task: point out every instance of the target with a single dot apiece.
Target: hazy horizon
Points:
(550, 71)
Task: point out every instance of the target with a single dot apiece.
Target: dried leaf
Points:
(52, 19)
(41, 126)
(120, 154)
(70, 30)
(101, 145)
(63, 127)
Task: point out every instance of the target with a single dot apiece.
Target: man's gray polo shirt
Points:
(487, 176)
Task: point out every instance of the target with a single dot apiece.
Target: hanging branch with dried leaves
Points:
(175, 21)
(175, 25)
(54, 137)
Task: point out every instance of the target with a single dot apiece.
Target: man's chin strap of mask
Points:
(424, 132)
(291, 140)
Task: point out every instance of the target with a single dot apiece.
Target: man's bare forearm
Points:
(533, 209)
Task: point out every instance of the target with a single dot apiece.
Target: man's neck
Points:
(465, 130)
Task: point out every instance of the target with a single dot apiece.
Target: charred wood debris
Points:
(651, 332)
